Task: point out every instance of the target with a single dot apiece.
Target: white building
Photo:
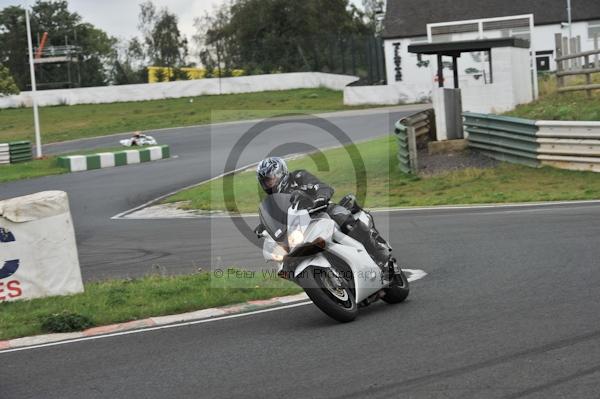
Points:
(406, 23)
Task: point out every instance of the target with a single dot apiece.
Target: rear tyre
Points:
(398, 290)
(331, 293)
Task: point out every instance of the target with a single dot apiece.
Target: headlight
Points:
(278, 254)
(295, 238)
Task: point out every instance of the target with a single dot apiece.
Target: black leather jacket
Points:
(302, 180)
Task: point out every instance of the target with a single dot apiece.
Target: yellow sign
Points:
(165, 74)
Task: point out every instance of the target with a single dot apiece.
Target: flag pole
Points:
(36, 116)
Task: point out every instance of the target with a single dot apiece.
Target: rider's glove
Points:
(302, 199)
(319, 202)
(259, 230)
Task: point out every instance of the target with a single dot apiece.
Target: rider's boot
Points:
(375, 245)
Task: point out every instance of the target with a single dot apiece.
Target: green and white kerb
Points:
(78, 163)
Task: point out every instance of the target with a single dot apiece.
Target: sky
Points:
(119, 18)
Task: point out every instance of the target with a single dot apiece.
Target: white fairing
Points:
(269, 247)
(364, 218)
(323, 228)
(367, 275)
(298, 219)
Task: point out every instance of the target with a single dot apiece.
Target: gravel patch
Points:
(441, 163)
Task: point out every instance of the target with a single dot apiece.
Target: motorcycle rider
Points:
(311, 193)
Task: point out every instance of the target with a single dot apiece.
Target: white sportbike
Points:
(335, 270)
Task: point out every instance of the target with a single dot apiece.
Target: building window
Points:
(542, 59)
(441, 38)
(418, 40)
(520, 33)
(593, 29)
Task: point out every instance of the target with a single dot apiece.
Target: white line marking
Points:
(351, 112)
(123, 215)
(415, 274)
(501, 208)
(291, 156)
(155, 200)
(148, 329)
(486, 206)
(549, 209)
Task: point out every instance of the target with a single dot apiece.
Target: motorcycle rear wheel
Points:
(330, 293)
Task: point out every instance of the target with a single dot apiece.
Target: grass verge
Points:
(28, 170)
(387, 187)
(119, 301)
(60, 123)
(551, 105)
(47, 166)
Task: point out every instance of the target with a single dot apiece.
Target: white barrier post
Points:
(36, 116)
(38, 252)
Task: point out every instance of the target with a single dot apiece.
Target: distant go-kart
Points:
(138, 140)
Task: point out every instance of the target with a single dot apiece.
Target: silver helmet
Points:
(271, 173)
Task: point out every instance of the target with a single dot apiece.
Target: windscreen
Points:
(273, 215)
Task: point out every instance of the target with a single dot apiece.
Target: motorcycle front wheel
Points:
(331, 293)
(398, 290)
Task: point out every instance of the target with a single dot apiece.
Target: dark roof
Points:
(409, 18)
(462, 46)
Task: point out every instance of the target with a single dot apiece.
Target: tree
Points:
(371, 9)
(98, 52)
(280, 35)
(164, 44)
(217, 49)
(63, 27)
(7, 83)
(13, 44)
(129, 64)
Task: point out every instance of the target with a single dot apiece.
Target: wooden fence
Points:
(571, 61)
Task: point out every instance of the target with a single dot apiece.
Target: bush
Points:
(65, 322)
(7, 83)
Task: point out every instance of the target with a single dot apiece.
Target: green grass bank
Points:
(388, 187)
(60, 123)
(118, 301)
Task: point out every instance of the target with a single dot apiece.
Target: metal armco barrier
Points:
(15, 152)
(403, 153)
(502, 137)
(20, 151)
(409, 131)
(4, 154)
(562, 144)
(569, 145)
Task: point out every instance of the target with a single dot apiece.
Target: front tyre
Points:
(398, 290)
(330, 292)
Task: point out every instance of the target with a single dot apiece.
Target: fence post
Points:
(588, 76)
(560, 82)
(572, 50)
(597, 63)
(578, 50)
(565, 47)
